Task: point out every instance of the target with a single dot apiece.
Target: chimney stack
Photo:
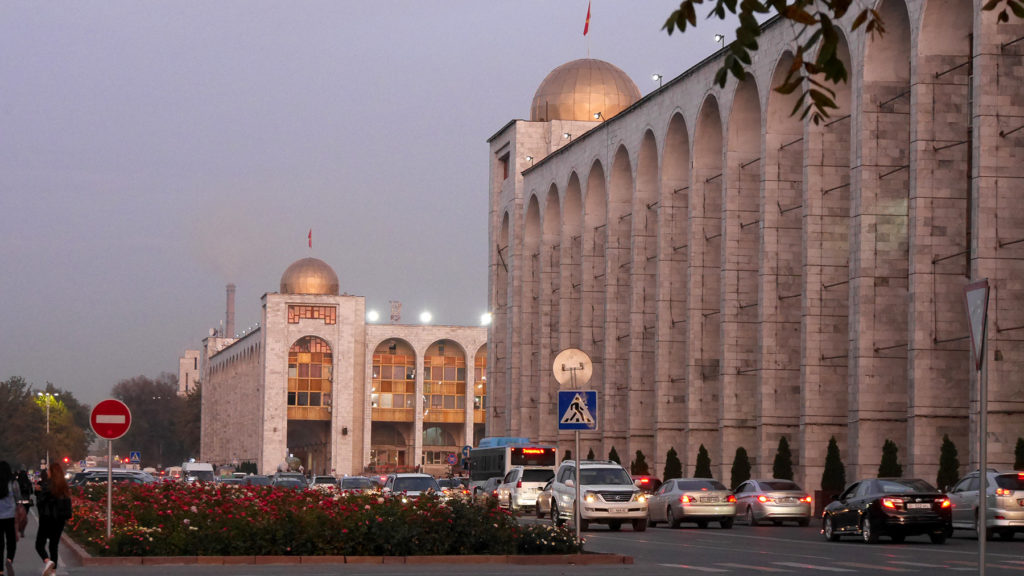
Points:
(229, 324)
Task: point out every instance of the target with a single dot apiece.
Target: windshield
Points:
(201, 475)
(700, 485)
(290, 483)
(415, 484)
(538, 475)
(894, 486)
(324, 480)
(258, 480)
(780, 485)
(605, 476)
(356, 483)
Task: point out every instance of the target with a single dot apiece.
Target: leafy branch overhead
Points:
(817, 29)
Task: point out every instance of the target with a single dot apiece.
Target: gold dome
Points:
(309, 276)
(579, 89)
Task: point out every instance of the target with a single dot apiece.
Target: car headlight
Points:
(590, 497)
(640, 497)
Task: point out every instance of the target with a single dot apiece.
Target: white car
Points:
(521, 485)
(1005, 504)
(411, 486)
(608, 493)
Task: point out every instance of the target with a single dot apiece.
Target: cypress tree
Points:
(949, 464)
(673, 467)
(703, 469)
(890, 467)
(567, 456)
(740, 468)
(1018, 461)
(639, 466)
(614, 456)
(783, 466)
(590, 454)
(833, 478)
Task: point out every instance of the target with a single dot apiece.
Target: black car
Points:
(893, 507)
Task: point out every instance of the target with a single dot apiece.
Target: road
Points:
(792, 550)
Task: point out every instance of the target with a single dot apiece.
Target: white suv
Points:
(521, 485)
(609, 496)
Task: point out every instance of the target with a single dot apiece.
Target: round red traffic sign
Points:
(111, 419)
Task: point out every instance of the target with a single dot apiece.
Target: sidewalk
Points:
(27, 562)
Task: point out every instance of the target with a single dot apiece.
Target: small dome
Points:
(579, 89)
(309, 276)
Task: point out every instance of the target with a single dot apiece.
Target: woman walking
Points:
(53, 504)
(9, 496)
(25, 487)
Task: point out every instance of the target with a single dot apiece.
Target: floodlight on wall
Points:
(373, 315)
(530, 160)
(657, 78)
(426, 317)
(566, 136)
(485, 319)
(598, 116)
(720, 38)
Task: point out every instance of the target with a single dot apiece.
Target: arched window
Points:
(309, 372)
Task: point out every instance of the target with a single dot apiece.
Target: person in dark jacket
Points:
(25, 485)
(53, 504)
(9, 496)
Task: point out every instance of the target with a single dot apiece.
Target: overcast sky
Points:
(152, 152)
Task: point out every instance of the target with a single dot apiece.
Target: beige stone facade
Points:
(308, 382)
(739, 276)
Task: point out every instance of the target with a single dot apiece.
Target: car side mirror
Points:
(570, 483)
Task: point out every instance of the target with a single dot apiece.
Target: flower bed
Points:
(172, 519)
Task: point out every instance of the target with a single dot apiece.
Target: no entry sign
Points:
(111, 419)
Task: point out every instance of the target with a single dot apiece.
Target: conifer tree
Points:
(639, 466)
(703, 469)
(740, 468)
(890, 467)
(783, 466)
(673, 467)
(833, 478)
(614, 456)
(1018, 461)
(590, 454)
(567, 456)
(949, 464)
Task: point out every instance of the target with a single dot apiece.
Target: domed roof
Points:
(579, 89)
(309, 276)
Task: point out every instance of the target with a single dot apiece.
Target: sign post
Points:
(577, 409)
(110, 419)
(976, 300)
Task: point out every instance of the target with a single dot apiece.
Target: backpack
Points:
(25, 486)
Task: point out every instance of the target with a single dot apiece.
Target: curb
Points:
(83, 558)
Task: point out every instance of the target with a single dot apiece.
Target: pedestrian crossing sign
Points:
(577, 409)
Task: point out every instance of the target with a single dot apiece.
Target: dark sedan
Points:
(893, 507)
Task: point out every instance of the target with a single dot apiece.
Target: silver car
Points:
(773, 500)
(1005, 506)
(698, 500)
(544, 500)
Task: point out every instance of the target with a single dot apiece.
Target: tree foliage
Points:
(782, 467)
(590, 454)
(740, 468)
(165, 426)
(890, 467)
(816, 25)
(639, 466)
(24, 441)
(833, 478)
(1018, 452)
(703, 469)
(614, 456)
(673, 467)
(949, 464)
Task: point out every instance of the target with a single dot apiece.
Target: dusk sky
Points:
(152, 152)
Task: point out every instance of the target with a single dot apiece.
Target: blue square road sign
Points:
(577, 409)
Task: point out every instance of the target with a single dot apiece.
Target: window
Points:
(394, 378)
(329, 314)
(504, 166)
(310, 364)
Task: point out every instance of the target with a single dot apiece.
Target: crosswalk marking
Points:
(813, 566)
(751, 567)
(697, 568)
(874, 567)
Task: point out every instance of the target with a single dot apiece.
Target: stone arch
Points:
(673, 257)
(592, 325)
(643, 300)
(549, 314)
(392, 401)
(705, 327)
(618, 268)
(782, 281)
(571, 284)
(940, 234)
(530, 282)
(880, 242)
(310, 377)
(444, 400)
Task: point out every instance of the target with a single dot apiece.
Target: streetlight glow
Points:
(373, 315)
(485, 319)
(49, 396)
(426, 317)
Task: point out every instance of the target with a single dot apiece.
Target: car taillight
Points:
(519, 484)
(684, 499)
(762, 498)
(806, 499)
(892, 503)
(730, 498)
(944, 503)
(1003, 492)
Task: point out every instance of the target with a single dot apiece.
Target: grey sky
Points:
(152, 152)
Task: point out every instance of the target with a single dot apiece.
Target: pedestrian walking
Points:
(25, 499)
(9, 496)
(53, 504)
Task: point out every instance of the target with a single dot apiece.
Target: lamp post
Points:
(49, 397)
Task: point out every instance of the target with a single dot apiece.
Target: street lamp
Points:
(48, 396)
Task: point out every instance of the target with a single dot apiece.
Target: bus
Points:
(494, 457)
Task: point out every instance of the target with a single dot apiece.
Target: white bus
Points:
(494, 457)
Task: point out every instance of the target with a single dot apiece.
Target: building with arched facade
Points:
(739, 276)
(316, 381)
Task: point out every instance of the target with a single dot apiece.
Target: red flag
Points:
(310, 237)
(586, 25)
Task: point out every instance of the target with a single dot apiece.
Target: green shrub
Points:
(614, 456)
(740, 468)
(639, 466)
(949, 464)
(673, 467)
(782, 467)
(890, 467)
(703, 469)
(833, 478)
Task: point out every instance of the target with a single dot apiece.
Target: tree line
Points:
(165, 426)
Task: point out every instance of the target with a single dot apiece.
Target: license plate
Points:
(918, 505)
(708, 499)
